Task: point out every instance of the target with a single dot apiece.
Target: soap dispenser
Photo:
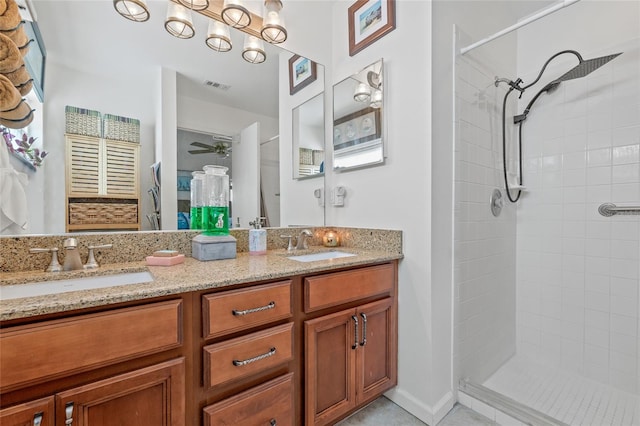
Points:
(257, 237)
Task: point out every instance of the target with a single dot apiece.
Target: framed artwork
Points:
(370, 20)
(184, 180)
(302, 72)
(357, 128)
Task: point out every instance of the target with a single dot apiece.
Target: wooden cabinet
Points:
(350, 360)
(149, 396)
(303, 350)
(102, 368)
(103, 190)
(350, 355)
(34, 413)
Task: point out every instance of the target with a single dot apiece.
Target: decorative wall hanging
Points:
(370, 20)
(302, 72)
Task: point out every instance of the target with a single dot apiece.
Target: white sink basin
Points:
(325, 255)
(42, 288)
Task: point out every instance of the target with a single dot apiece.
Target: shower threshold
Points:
(511, 407)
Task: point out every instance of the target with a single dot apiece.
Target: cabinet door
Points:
(377, 353)
(33, 413)
(121, 169)
(83, 166)
(329, 366)
(149, 396)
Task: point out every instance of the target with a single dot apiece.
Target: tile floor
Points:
(383, 412)
(563, 395)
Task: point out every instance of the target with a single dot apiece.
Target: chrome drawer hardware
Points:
(271, 352)
(364, 329)
(355, 330)
(609, 209)
(271, 305)
(37, 419)
(68, 413)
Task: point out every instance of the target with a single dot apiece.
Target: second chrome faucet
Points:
(301, 240)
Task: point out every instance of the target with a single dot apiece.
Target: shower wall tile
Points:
(484, 246)
(586, 303)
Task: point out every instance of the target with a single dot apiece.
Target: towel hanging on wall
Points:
(13, 196)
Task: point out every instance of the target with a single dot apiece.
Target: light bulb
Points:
(134, 10)
(235, 14)
(253, 50)
(179, 23)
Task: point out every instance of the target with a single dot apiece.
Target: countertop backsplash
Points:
(135, 246)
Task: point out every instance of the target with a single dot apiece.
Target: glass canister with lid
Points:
(197, 199)
(215, 214)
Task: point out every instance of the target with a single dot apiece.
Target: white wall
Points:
(111, 95)
(397, 195)
(579, 272)
(297, 201)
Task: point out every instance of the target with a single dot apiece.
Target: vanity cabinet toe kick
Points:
(262, 354)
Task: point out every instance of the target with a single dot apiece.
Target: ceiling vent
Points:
(216, 85)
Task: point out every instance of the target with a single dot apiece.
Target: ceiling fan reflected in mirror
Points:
(221, 146)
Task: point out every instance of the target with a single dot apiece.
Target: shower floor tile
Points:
(565, 396)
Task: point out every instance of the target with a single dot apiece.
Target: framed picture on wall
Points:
(370, 20)
(184, 180)
(302, 72)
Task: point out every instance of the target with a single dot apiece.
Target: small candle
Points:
(330, 239)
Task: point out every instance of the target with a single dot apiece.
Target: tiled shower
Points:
(547, 297)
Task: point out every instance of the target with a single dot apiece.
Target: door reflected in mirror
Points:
(358, 119)
(308, 138)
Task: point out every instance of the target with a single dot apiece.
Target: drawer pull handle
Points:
(355, 328)
(271, 305)
(68, 413)
(37, 419)
(272, 422)
(271, 352)
(364, 329)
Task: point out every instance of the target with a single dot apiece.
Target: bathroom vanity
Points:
(252, 340)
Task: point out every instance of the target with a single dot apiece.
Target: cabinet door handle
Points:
(37, 418)
(355, 332)
(236, 312)
(364, 329)
(271, 352)
(272, 422)
(68, 414)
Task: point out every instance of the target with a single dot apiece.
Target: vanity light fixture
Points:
(134, 10)
(235, 14)
(376, 98)
(195, 4)
(218, 37)
(253, 51)
(362, 93)
(273, 30)
(179, 23)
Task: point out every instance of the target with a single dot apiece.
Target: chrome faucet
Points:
(72, 260)
(301, 243)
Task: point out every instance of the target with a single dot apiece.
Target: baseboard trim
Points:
(429, 415)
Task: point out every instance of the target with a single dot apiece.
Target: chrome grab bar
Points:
(609, 209)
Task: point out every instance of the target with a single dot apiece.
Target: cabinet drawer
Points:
(247, 355)
(238, 310)
(29, 413)
(38, 352)
(325, 291)
(269, 403)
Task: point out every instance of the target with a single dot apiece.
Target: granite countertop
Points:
(192, 275)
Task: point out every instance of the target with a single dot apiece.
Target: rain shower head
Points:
(586, 67)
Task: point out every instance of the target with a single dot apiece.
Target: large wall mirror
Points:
(358, 100)
(101, 61)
